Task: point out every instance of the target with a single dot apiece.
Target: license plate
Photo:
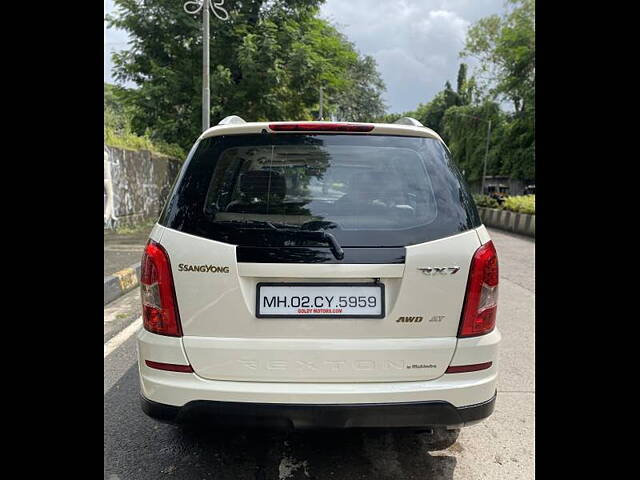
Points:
(325, 300)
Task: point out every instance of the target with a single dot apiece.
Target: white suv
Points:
(316, 274)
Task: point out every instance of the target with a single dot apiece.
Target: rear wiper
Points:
(322, 235)
(335, 247)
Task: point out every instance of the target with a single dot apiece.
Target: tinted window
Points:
(367, 190)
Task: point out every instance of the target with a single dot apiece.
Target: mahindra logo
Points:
(432, 271)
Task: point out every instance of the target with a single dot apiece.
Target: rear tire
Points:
(440, 438)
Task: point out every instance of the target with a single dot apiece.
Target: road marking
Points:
(122, 337)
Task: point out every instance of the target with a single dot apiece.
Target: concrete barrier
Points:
(121, 282)
(521, 223)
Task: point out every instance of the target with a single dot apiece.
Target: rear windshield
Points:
(366, 190)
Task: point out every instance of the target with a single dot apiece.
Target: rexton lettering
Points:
(331, 365)
(185, 267)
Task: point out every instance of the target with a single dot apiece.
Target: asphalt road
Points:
(121, 250)
(502, 447)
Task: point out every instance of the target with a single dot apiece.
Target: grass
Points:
(521, 204)
(131, 141)
(518, 203)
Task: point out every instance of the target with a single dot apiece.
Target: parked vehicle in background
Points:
(498, 192)
(320, 275)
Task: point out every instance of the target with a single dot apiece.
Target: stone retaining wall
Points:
(137, 184)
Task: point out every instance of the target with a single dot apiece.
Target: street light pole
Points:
(206, 102)
(486, 154)
(193, 7)
(486, 150)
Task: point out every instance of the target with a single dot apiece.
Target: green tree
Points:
(467, 88)
(118, 131)
(505, 48)
(361, 100)
(462, 78)
(268, 62)
(432, 113)
(466, 128)
(115, 115)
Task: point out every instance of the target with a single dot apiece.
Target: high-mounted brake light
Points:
(320, 127)
(159, 306)
(481, 299)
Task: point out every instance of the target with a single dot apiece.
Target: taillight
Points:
(481, 299)
(159, 307)
(320, 127)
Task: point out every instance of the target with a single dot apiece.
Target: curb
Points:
(121, 282)
(522, 223)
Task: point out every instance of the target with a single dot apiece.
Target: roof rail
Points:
(409, 121)
(231, 120)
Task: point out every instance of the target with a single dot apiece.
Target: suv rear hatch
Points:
(320, 257)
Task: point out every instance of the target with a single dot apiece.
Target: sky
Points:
(416, 43)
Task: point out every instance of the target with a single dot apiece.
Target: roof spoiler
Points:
(232, 120)
(409, 121)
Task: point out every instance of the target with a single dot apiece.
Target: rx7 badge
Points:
(432, 271)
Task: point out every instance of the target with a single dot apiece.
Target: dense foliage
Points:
(518, 203)
(505, 48)
(118, 132)
(521, 203)
(268, 62)
(486, 201)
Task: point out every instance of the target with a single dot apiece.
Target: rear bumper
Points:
(310, 416)
(178, 389)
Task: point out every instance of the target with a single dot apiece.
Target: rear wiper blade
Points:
(335, 247)
(323, 235)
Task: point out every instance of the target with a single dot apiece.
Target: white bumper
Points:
(459, 389)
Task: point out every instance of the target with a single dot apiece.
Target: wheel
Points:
(440, 438)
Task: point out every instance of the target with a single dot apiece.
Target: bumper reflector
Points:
(468, 368)
(170, 367)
